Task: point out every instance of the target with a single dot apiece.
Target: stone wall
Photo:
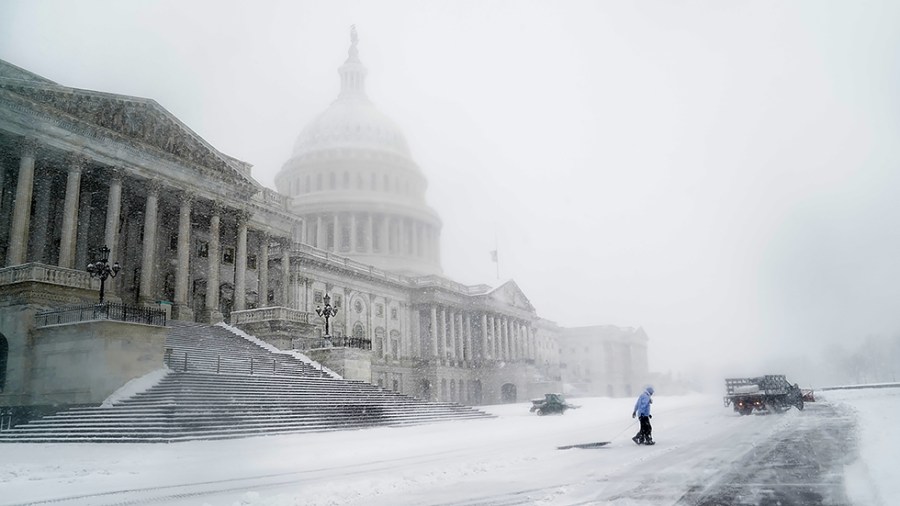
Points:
(350, 363)
(83, 363)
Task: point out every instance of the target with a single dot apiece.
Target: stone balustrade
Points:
(347, 263)
(269, 314)
(50, 274)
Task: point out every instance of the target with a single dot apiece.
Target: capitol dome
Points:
(354, 184)
(352, 123)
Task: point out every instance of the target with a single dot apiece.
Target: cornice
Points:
(136, 125)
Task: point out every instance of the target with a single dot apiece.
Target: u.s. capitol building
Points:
(194, 233)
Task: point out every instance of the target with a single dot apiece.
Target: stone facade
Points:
(194, 231)
(604, 360)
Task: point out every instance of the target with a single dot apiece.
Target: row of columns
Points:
(71, 233)
(371, 233)
(501, 337)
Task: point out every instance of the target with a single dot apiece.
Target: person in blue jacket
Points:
(642, 412)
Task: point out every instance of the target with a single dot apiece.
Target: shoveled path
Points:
(800, 465)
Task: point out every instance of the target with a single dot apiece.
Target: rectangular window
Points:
(202, 249)
(173, 241)
(251, 262)
(228, 255)
(318, 297)
(393, 313)
(338, 301)
(379, 310)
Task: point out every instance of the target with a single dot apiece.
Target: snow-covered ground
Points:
(511, 459)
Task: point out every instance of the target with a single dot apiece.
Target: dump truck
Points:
(770, 393)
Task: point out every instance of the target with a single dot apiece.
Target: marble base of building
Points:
(283, 328)
(210, 316)
(350, 363)
(85, 362)
(182, 312)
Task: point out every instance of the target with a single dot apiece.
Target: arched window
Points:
(359, 331)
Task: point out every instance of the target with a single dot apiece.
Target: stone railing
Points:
(346, 263)
(268, 314)
(50, 274)
(425, 281)
(351, 342)
(105, 311)
(272, 197)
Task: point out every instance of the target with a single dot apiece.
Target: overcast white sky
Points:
(723, 174)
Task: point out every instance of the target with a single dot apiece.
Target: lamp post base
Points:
(210, 316)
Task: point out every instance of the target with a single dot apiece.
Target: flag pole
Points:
(496, 254)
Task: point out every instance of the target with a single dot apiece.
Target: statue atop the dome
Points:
(354, 38)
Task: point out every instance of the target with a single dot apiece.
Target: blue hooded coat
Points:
(642, 406)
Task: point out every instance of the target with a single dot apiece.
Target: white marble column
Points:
(337, 233)
(370, 243)
(514, 339)
(240, 265)
(485, 352)
(453, 346)
(285, 272)
(469, 351)
(263, 287)
(384, 243)
(498, 339)
(354, 233)
(182, 310)
(213, 315)
(85, 205)
(113, 214)
(401, 237)
(41, 216)
(18, 235)
(502, 328)
(434, 333)
(148, 245)
(321, 238)
(304, 230)
(414, 242)
(70, 213)
(443, 327)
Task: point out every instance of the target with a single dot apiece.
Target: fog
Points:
(722, 174)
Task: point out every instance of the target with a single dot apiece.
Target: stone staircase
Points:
(288, 397)
(196, 347)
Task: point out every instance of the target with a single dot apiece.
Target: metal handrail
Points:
(104, 311)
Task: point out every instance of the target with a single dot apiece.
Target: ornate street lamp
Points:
(101, 269)
(327, 312)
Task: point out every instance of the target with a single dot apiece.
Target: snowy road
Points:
(706, 455)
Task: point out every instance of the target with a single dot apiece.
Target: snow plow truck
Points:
(771, 393)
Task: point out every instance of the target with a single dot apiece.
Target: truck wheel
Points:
(540, 412)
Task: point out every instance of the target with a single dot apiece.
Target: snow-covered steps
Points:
(290, 397)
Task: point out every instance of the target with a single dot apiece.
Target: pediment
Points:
(139, 120)
(510, 294)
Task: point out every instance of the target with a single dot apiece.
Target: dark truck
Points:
(551, 403)
(770, 393)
